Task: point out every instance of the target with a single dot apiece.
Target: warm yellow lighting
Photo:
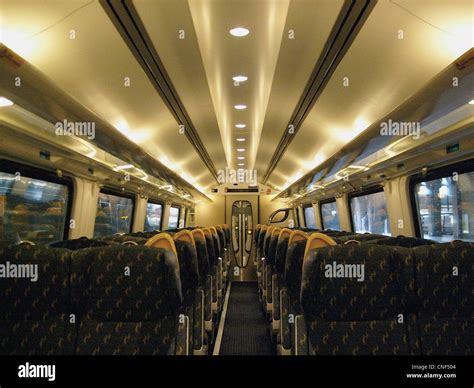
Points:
(240, 139)
(240, 106)
(240, 149)
(239, 31)
(240, 157)
(5, 102)
(240, 78)
(240, 125)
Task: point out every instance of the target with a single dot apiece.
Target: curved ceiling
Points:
(286, 39)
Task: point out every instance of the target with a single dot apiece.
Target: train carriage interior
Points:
(237, 178)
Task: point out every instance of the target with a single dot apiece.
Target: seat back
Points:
(35, 308)
(188, 261)
(201, 250)
(79, 243)
(211, 247)
(281, 249)
(445, 295)
(272, 246)
(356, 300)
(127, 299)
(294, 262)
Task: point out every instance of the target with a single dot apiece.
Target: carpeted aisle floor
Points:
(245, 329)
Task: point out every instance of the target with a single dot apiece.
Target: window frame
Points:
(297, 218)
(169, 215)
(122, 194)
(361, 193)
(462, 167)
(11, 167)
(325, 202)
(305, 206)
(156, 202)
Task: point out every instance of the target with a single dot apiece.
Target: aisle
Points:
(245, 331)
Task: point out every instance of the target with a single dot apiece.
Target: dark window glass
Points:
(309, 217)
(32, 209)
(114, 215)
(173, 218)
(445, 207)
(369, 214)
(153, 216)
(329, 216)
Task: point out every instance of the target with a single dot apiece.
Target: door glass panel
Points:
(242, 230)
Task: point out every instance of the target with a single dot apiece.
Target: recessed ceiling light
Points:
(240, 164)
(240, 78)
(240, 106)
(239, 31)
(240, 149)
(240, 125)
(240, 157)
(5, 102)
(240, 139)
(471, 102)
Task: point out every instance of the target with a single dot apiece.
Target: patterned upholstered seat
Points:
(445, 294)
(34, 315)
(345, 316)
(80, 243)
(290, 291)
(402, 241)
(127, 300)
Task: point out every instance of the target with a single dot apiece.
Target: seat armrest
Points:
(301, 337)
(182, 335)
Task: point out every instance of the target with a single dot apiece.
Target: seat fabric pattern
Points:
(125, 314)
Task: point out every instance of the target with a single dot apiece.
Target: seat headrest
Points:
(162, 240)
(318, 240)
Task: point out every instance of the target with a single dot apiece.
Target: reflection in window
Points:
(446, 208)
(369, 214)
(309, 217)
(153, 217)
(32, 209)
(329, 216)
(173, 218)
(114, 215)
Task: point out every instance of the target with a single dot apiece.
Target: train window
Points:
(173, 218)
(33, 209)
(114, 214)
(154, 212)
(329, 216)
(309, 219)
(445, 204)
(369, 213)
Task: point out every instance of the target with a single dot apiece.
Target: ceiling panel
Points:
(225, 56)
(383, 71)
(170, 27)
(92, 67)
(311, 22)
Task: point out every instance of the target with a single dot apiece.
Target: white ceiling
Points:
(383, 71)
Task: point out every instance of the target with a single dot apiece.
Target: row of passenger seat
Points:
(416, 296)
(101, 297)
